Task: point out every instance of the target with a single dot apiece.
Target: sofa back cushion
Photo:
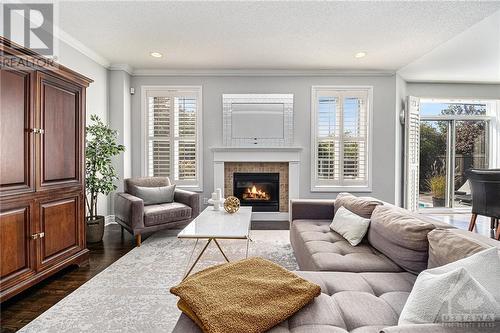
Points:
(362, 206)
(401, 236)
(449, 245)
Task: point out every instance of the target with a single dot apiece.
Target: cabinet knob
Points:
(34, 236)
(37, 130)
(41, 235)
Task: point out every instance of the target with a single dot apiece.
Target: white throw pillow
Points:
(483, 266)
(462, 291)
(350, 226)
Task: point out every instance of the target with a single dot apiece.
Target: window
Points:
(173, 134)
(340, 138)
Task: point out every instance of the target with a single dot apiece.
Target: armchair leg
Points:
(472, 223)
(138, 240)
(498, 230)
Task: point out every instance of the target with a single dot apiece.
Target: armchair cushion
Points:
(130, 184)
(155, 195)
(166, 213)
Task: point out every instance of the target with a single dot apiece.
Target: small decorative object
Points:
(232, 205)
(216, 199)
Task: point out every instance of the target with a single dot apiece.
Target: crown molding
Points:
(259, 72)
(122, 67)
(451, 81)
(80, 47)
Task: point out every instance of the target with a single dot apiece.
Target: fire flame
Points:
(255, 194)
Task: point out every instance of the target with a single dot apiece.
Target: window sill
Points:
(326, 189)
(192, 188)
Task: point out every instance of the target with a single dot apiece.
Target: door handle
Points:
(34, 236)
(41, 235)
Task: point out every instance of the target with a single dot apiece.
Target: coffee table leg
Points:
(217, 243)
(191, 256)
(198, 258)
(248, 241)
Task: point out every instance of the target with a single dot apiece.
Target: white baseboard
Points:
(109, 219)
(270, 216)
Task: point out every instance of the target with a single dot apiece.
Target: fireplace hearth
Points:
(257, 189)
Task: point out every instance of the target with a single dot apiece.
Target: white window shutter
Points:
(159, 129)
(412, 152)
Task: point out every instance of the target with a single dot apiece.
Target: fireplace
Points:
(257, 189)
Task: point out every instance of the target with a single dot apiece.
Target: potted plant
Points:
(437, 184)
(101, 146)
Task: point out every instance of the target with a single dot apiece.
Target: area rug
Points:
(132, 295)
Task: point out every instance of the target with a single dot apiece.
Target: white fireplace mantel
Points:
(260, 154)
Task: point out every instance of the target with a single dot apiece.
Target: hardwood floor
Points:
(461, 221)
(23, 308)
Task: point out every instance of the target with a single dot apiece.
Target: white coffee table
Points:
(213, 225)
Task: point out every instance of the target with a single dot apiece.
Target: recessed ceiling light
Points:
(360, 55)
(156, 54)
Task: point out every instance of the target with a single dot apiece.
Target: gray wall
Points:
(119, 119)
(384, 121)
(454, 90)
(401, 93)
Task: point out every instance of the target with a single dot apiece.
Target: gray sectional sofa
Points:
(364, 288)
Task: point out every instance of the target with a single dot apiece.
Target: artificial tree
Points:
(100, 174)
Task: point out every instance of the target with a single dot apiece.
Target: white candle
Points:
(214, 196)
(219, 193)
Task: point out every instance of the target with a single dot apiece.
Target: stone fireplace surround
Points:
(259, 167)
(259, 159)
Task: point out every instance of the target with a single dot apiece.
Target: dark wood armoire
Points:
(42, 146)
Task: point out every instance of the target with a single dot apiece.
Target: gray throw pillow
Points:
(155, 195)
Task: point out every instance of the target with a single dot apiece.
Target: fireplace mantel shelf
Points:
(252, 148)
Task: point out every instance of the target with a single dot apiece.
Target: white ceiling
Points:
(472, 56)
(268, 35)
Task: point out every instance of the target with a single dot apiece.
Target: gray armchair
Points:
(137, 218)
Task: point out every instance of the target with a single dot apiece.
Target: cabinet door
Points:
(16, 245)
(61, 224)
(61, 144)
(16, 121)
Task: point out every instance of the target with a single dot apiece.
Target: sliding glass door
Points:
(470, 151)
(453, 138)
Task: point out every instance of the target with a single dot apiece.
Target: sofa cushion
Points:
(401, 236)
(362, 206)
(318, 248)
(165, 213)
(449, 245)
(350, 302)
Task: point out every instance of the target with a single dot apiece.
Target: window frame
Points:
(318, 185)
(171, 90)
